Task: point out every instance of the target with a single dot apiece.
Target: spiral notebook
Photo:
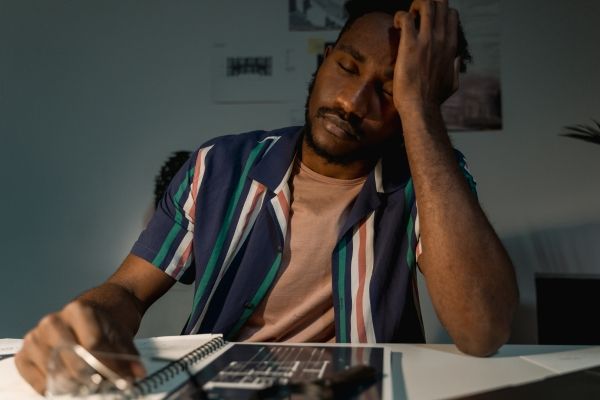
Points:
(221, 370)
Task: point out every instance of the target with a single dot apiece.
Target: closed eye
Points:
(347, 69)
(387, 90)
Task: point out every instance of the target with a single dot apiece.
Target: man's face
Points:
(350, 110)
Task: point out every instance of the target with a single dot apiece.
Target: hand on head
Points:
(427, 66)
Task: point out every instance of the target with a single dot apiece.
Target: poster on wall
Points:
(248, 74)
(477, 103)
(315, 15)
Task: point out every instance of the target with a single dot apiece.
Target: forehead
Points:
(374, 36)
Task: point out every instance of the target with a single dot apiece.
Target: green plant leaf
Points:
(588, 133)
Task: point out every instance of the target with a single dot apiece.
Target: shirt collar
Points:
(390, 173)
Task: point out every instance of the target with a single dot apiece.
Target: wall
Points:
(94, 96)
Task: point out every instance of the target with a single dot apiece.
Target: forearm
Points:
(117, 302)
(469, 274)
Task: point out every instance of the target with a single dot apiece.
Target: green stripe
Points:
(467, 175)
(164, 249)
(408, 196)
(258, 296)
(342, 290)
(216, 251)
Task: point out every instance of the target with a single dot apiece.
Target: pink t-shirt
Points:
(299, 307)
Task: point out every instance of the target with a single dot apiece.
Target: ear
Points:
(456, 74)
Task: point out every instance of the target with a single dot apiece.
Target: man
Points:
(313, 233)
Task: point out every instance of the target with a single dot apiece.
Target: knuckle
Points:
(20, 358)
(48, 322)
(29, 339)
(92, 340)
(78, 308)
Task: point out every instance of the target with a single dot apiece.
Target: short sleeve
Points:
(462, 163)
(167, 241)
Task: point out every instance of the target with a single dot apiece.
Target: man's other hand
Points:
(79, 322)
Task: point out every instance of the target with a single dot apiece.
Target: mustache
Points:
(348, 122)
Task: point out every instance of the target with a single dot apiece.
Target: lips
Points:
(339, 127)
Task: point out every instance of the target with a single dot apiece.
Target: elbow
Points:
(483, 341)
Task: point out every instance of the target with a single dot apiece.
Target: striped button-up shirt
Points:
(223, 222)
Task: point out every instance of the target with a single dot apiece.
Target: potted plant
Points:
(589, 133)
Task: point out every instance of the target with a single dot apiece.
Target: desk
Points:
(424, 371)
(440, 371)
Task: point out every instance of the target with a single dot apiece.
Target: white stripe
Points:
(191, 199)
(274, 140)
(419, 245)
(178, 254)
(369, 273)
(417, 225)
(239, 236)
(284, 187)
(241, 231)
(280, 214)
(354, 284)
(187, 207)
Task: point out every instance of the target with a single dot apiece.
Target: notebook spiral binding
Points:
(152, 382)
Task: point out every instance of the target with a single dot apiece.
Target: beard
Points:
(360, 154)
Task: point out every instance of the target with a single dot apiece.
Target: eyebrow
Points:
(348, 48)
(360, 57)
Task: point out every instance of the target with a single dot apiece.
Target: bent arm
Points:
(469, 275)
(129, 292)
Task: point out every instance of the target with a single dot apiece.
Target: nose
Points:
(355, 98)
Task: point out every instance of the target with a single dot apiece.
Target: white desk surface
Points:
(428, 371)
(441, 371)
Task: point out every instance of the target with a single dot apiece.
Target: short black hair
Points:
(167, 173)
(357, 8)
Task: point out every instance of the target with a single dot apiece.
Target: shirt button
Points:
(248, 305)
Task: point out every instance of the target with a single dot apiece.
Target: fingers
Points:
(441, 19)
(405, 22)
(33, 361)
(27, 367)
(52, 340)
(425, 9)
(436, 18)
(456, 75)
(452, 31)
(96, 334)
(30, 372)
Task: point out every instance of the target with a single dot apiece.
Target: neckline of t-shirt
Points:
(327, 179)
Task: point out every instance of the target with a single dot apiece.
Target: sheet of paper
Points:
(171, 346)
(13, 386)
(159, 351)
(10, 346)
(567, 361)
